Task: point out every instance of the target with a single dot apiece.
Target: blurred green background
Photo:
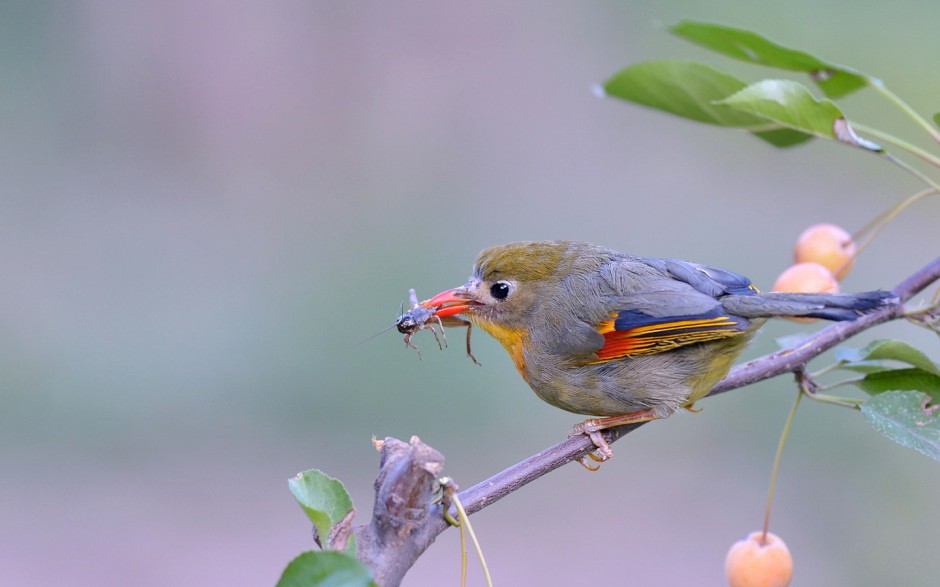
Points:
(205, 206)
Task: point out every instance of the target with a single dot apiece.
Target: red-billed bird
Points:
(599, 332)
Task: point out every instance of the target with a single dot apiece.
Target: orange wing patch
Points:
(663, 336)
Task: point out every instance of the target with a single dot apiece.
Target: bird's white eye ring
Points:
(500, 290)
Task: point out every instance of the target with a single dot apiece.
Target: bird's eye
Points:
(500, 290)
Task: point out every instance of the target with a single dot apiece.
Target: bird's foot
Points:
(593, 427)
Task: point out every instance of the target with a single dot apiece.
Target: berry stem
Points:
(900, 143)
(929, 316)
(903, 165)
(827, 369)
(844, 402)
(879, 222)
(905, 107)
(780, 445)
(465, 521)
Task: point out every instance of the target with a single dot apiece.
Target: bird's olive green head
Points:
(512, 283)
(509, 281)
(522, 261)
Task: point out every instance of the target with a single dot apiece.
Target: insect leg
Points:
(469, 352)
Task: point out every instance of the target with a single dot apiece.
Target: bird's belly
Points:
(662, 382)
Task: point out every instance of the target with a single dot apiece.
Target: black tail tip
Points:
(870, 300)
(851, 306)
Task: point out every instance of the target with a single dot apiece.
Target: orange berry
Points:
(807, 278)
(753, 563)
(828, 245)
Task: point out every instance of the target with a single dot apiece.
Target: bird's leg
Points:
(593, 426)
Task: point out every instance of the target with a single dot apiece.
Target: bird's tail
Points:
(825, 306)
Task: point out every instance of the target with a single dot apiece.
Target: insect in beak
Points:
(449, 303)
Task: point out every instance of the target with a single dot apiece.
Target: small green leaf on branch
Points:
(888, 350)
(834, 80)
(325, 501)
(325, 569)
(790, 104)
(909, 379)
(693, 90)
(683, 88)
(908, 418)
(782, 137)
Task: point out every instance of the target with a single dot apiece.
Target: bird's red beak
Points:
(449, 303)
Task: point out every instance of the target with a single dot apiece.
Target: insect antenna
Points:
(371, 336)
(401, 311)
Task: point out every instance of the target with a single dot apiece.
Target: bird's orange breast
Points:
(513, 340)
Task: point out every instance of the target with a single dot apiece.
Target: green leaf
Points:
(910, 379)
(323, 498)
(325, 569)
(692, 90)
(865, 367)
(891, 350)
(790, 104)
(683, 88)
(936, 119)
(906, 418)
(782, 137)
(834, 80)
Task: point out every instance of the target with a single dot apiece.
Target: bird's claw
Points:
(692, 409)
(602, 451)
(593, 427)
(584, 462)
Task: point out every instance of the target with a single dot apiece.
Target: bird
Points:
(619, 337)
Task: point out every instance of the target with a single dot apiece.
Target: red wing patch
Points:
(651, 337)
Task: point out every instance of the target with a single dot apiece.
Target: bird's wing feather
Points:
(709, 280)
(631, 333)
(679, 304)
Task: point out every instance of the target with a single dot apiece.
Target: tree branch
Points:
(402, 525)
(502, 484)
